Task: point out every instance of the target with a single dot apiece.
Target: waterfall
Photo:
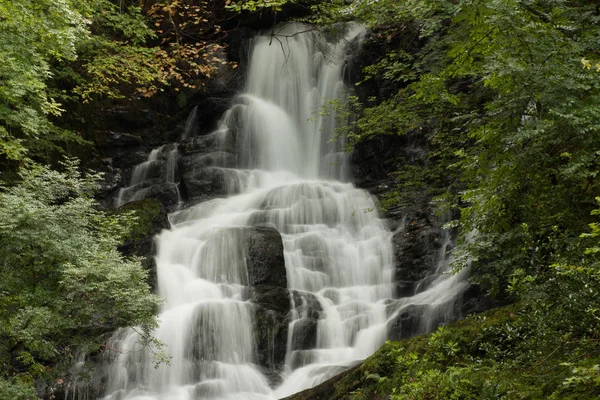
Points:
(159, 169)
(289, 175)
(191, 124)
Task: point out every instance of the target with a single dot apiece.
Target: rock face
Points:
(268, 291)
(204, 184)
(420, 243)
(417, 244)
(265, 262)
(307, 311)
(152, 219)
(205, 166)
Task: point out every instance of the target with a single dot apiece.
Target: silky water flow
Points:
(293, 176)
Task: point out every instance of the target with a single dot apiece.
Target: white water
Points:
(160, 167)
(336, 247)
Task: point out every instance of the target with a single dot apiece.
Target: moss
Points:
(147, 213)
(496, 354)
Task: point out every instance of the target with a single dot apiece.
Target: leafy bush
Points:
(64, 283)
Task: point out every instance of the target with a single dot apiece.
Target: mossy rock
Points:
(151, 219)
(495, 354)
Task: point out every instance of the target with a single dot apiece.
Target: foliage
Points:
(146, 214)
(499, 354)
(505, 96)
(59, 53)
(34, 34)
(189, 34)
(64, 283)
(15, 390)
(256, 5)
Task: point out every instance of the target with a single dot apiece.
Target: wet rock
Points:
(205, 183)
(191, 162)
(265, 261)
(407, 323)
(151, 220)
(304, 334)
(267, 280)
(200, 144)
(272, 298)
(306, 305)
(164, 192)
(271, 332)
(405, 288)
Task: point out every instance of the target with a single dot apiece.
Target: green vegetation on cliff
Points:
(64, 284)
(505, 96)
(64, 61)
(499, 354)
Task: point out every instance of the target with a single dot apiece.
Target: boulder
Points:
(200, 144)
(207, 183)
(190, 162)
(306, 305)
(265, 261)
(271, 330)
(166, 193)
(267, 281)
(304, 334)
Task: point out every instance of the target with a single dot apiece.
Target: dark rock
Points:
(112, 180)
(416, 249)
(200, 144)
(474, 300)
(304, 334)
(121, 139)
(267, 281)
(206, 183)
(272, 298)
(407, 323)
(164, 192)
(373, 160)
(405, 288)
(306, 305)
(189, 163)
(152, 219)
(271, 332)
(155, 171)
(131, 118)
(265, 261)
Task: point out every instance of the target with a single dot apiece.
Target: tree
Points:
(58, 54)
(34, 33)
(506, 94)
(64, 283)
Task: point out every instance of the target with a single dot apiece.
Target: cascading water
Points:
(337, 250)
(159, 168)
